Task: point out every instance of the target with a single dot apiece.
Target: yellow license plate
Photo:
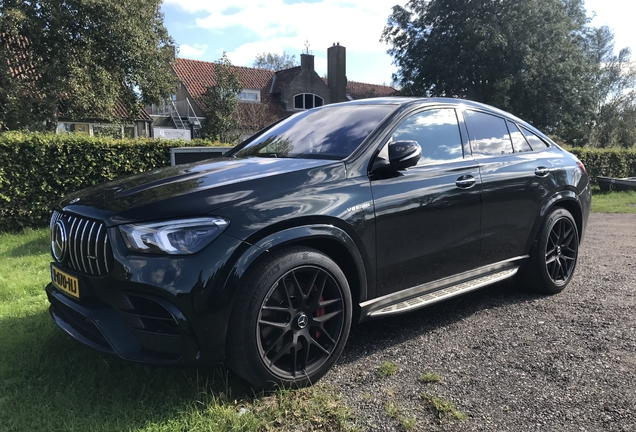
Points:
(65, 282)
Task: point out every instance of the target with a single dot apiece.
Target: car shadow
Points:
(380, 334)
(45, 371)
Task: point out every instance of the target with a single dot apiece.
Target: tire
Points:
(554, 254)
(290, 321)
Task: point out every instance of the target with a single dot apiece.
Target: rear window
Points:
(488, 134)
(535, 142)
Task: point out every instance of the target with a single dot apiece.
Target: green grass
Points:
(49, 382)
(387, 368)
(613, 202)
(430, 377)
(443, 407)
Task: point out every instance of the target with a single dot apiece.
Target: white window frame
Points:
(303, 99)
(91, 127)
(244, 95)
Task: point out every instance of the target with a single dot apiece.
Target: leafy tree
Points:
(275, 61)
(221, 103)
(524, 56)
(81, 57)
(614, 123)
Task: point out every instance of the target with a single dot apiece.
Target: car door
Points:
(515, 182)
(427, 217)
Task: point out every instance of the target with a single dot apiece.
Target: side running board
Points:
(401, 305)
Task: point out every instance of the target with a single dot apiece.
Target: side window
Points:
(519, 143)
(436, 131)
(488, 134)
(536, 142)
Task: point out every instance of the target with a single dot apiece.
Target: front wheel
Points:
(554, 253)
(291, 319)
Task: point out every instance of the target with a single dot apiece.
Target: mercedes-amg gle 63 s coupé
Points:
(264, 258)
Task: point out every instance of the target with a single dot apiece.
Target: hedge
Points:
(607, 162)
(37, 169)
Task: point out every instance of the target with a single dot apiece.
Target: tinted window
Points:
(488, 134)
(436, 131)
(535, 142)
(332, 132)
(519, 143)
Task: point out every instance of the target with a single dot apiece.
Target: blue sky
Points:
(203, 29)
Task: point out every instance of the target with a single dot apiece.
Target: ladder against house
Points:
(193, 122)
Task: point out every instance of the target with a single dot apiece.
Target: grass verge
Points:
(49, 382)
(613, 202)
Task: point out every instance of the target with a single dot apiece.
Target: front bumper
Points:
(153, 309)
(144, 329)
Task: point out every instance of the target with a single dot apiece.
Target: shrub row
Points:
(37, 169)
(607, 162)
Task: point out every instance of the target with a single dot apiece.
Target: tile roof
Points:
(198, 75)
(359, 90)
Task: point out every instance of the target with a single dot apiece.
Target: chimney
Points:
(337, 72)
(307, 62)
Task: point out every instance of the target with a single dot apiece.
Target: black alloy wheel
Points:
(554, 254)
(300, 322)
(561, 251)
(291, 319)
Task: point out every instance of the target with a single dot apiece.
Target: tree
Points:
(275, 61)
(614, 122)
(81, 57)
(221, 103)
(525, 56)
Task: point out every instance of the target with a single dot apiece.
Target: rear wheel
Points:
(554, 253)
(291, 319)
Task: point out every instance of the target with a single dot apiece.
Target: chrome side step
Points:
(430, 297)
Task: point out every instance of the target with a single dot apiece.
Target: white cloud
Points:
(194, 51)
(356, 24)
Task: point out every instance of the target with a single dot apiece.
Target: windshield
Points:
(324, 133)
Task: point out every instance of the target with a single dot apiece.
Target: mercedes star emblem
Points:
(59, 241)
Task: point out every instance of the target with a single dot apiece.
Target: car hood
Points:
(194, 189)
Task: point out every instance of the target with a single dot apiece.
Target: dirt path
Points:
(509, 359)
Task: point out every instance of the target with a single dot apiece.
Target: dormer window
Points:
(307, 101)
(250, 96)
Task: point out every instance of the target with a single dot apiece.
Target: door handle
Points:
(465, 182)
(541, 171)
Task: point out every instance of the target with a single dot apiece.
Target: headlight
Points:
(176, 237)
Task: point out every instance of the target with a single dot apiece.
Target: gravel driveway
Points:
(510, 360)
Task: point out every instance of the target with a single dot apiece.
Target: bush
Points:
(38, 169)
(607, 162)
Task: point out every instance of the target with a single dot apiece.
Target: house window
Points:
(98, 129)
(250, 96)
(307, 101)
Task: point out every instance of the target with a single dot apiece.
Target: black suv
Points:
(264, 258)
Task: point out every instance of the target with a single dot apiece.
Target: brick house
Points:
(267, 95)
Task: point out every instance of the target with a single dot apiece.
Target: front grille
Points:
(88, 249)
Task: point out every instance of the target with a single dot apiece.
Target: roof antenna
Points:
(307, 51)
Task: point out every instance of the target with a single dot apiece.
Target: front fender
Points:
(301, 234)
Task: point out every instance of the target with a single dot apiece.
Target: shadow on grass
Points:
(378, 335)
(48, 381)
(37, 246)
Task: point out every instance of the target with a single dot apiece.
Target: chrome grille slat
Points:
(88, 247)
(72, 246)
(97, 240)
(89, 250)
(81, 245)
(106, 247)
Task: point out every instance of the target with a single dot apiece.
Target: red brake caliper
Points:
(320, 312)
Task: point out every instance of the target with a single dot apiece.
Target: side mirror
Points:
(404, 154)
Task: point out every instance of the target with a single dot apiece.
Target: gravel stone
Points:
(510, 359)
